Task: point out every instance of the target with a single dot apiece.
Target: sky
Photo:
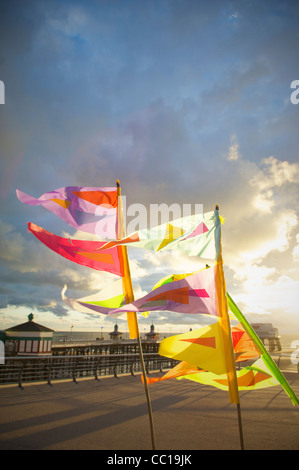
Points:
(183, 101)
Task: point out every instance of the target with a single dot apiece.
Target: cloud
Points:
(181, 102)
(275, 173)
(273, 176)
(11, 243)
(233, 151)
(271, 301)
(295, 252)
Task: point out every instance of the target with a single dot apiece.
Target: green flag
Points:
(264, 353)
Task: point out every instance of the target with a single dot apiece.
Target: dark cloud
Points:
(154, 94)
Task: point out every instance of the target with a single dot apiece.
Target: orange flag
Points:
(182, 368)
(244, 347)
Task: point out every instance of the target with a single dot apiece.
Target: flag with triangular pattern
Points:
(249, 378)
(194, 235)
(202, 348)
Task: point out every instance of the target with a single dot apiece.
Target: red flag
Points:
(82, 251)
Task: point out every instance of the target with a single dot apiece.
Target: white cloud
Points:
(260, 296)
(266, 183)
(295, 252)
(272, 235)
(275, 173)
(264, 202)
(233, 151)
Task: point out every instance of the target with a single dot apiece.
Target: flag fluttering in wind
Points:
(110, 297)
(244, 347)
(221, 308)
(92, 210)
(265, 356)
(251, 377)
(202, 348)
(82, 252)
(194, 294)
(194, 235)
(182, 368)
(205, 351)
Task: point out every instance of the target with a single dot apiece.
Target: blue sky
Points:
(184, 102)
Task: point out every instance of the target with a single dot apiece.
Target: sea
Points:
(287, 341)
(90, 336)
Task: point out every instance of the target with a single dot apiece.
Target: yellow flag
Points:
(202, 348)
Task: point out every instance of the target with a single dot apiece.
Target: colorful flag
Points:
(244, 347)
(81, 251)
(251, 377)
(194, 235)
(194, 294)
(202, 348)
(182, 368)
(171, 278)
(111, 296)
(268, 361)
(92, 210)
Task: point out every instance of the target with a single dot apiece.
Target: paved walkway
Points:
(112, 415)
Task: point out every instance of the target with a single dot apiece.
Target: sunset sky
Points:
(183, 101)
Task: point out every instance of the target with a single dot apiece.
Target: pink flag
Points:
(92, 210)
(193, 294)
(82, 251)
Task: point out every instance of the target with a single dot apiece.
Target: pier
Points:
(97, 359)
(73, 361)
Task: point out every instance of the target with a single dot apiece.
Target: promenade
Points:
(111, 414)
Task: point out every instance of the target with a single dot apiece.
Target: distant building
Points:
(115, 334)
(266, 331)
(29, 339)
(152, 334)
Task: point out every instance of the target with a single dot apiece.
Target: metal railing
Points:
(20, 370)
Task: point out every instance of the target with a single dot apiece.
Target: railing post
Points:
(96, 369)
(115, 370)
(132, 368)
(75, 370)
(21, 376)
(49, 371)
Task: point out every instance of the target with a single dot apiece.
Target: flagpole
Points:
(224, 322)
(132, 316)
